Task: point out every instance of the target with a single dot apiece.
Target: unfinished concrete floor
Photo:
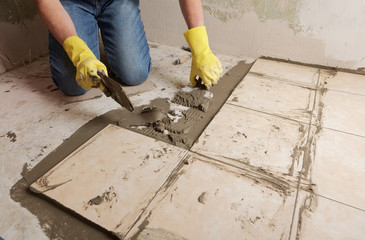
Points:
(283, 158)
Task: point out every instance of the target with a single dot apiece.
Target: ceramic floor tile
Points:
(344, 82)
(286, 71)
(146, 86)
(321, 218)
(111, 178)
(344, 112)
(282, 99)
(255, 139)
(339, 167)
(214, 201)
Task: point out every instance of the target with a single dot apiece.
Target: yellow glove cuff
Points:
(204, 64)
(77, 50)
(197, 38)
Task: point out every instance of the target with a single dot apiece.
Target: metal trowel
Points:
(114, 90)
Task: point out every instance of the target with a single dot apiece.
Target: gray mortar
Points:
(194, 99)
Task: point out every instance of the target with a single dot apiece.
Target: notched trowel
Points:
(114, 90)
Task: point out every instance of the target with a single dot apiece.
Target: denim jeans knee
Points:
(62, 69)
(125, 41)
(133, 76)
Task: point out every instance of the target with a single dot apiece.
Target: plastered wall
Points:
(324, 32)
(23, 36)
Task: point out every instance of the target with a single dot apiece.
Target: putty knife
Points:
(115, 91)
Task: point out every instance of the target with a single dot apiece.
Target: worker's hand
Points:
(205, 64)
(85, 62)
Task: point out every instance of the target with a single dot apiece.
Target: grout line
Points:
(309, 132)
(271, 114)
(339, 91)
(340, 131)
(284, 80)
(225, 163)
(176, 170)
(295, 206)
(342, 203)
(309, 65)
(250, 172)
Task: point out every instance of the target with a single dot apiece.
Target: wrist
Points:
(195, 24)
(70, 40)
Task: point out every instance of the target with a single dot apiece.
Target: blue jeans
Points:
(123, 36)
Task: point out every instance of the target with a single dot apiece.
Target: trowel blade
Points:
(115, 91)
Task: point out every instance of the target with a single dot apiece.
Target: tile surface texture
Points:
(321, 218)
(275, 97)
(225, 204)
(344, 112)
(299, 74)
(344, 82)
(255, 139)
(339, 167)
(111, 178)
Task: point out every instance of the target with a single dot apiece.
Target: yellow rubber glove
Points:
(204, 64)
(85, 62)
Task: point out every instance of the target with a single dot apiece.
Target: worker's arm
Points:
(61, 26)
(204, 65)
(56, 19)
(193, 12)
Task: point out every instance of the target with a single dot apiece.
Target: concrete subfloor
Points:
(286, 164)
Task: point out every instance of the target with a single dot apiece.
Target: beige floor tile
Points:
(286, 71)
(339, 167)
(279, 98)
(321, 218)
(215, 201)
(146, 86)
(344, 112)
(256, 139)
(344, 82)
(111, 178)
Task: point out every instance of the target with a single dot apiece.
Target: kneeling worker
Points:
(74, 42)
